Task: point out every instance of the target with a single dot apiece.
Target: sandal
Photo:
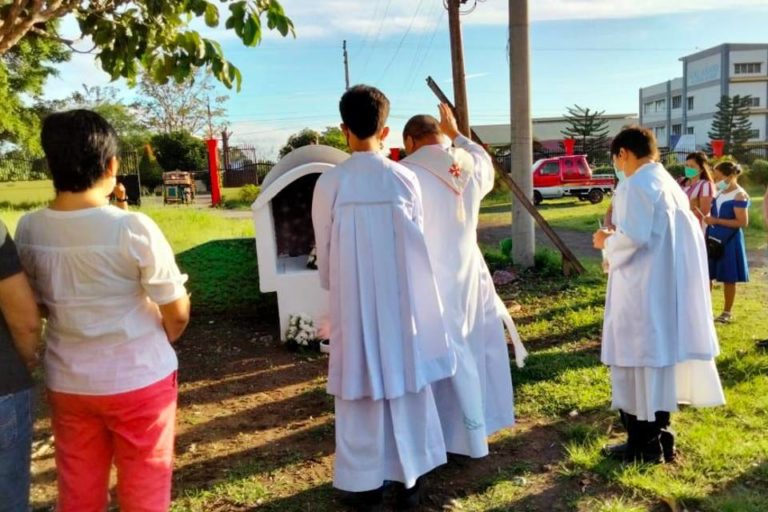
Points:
(724, 318)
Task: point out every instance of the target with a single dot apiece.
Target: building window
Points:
(690, 102)
(661, 133)
(677, 129)
(689, 130)
(754, 133)
(647, 107)
(754, 102)
(660, 105)
(677, 101)
(748, 68)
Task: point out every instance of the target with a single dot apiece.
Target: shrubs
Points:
(676, 170)
(758, 172)
(548, 262)
(249, 193)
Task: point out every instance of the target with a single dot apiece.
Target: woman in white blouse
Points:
(116, 301)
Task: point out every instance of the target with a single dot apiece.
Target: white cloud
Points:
(334, 18)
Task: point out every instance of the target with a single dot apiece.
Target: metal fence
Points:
(242, 167)
(20, 168)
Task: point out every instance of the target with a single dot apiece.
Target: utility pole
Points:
(225, 135)
(457, 60)
(521, 146)
(346, 64)
(210, 119)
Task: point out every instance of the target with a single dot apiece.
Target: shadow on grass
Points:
(736, 368)
(745, 493)
(224, 278)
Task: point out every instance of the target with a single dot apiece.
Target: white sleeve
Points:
(322, 221)
(633, 217)
(418, 205)
(159, 274)
(483, 168)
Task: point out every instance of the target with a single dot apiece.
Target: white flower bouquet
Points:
(301, 332)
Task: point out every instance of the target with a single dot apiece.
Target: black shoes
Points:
(366, 501)
(373, 501)
(407, 499)
(762, 344)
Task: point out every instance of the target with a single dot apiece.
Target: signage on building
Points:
(705, 74)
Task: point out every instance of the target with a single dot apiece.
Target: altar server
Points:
(658, 334)
(388, 342)
(477, 401)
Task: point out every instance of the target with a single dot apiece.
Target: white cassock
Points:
(658, 335)
(388, 341)
(478, 400)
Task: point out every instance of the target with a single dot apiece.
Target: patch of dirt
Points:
(249, 408)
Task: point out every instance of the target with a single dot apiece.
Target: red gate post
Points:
(717, 147)
(570, 145)
(213, 170)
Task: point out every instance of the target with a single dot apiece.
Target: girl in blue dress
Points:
(728, 217)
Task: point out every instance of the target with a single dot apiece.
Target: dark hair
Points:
(78, 145)
(364, 110)
(636, 139)
(729, 168)
(702, 160)
(421, 126)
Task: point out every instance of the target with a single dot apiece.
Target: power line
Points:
(402, 39)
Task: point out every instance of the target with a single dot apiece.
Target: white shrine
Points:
(282, 215)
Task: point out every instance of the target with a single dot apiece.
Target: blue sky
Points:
(595, 53)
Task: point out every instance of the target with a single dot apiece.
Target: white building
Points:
(547, 130)
(687, 105)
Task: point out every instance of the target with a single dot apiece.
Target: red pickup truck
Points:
(569, 176)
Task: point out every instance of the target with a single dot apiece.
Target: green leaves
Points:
(154, 36)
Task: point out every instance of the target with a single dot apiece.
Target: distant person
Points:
(728, 216)
(388, 342)
(19, 341)
(698, 184)
(764, 343)
(478, 400)
(116, 301)
(658, 335)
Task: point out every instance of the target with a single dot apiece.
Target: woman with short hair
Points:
(116, 301)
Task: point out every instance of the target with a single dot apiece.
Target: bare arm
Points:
(19, 308)
(175, 317)
(741, 220)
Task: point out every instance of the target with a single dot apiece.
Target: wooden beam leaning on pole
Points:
(571, 264)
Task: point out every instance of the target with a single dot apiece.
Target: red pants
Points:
(135, 429)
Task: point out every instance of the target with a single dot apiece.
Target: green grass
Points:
(725, 451)
(724, 466)
(24, 194)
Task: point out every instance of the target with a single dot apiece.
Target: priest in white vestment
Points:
(388, 342)
(658, 334)
(478, 400)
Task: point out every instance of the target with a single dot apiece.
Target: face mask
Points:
(619, 174)
(722, 185)
(690, 172)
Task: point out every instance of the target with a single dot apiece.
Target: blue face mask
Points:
(722, 185)
(619, 174)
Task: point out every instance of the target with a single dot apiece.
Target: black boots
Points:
(647, 441)
(366, 501)
(373, 501)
